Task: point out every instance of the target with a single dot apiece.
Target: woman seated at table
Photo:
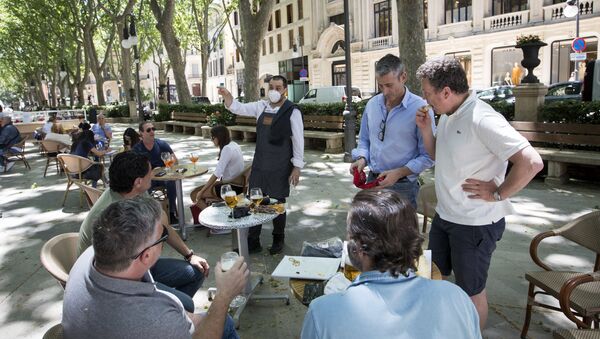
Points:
(229, 167)
(57, 127)
(83, 146)
(130, 138)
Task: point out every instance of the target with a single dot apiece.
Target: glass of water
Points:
(227, 261)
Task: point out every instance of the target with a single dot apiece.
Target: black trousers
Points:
(278, 226)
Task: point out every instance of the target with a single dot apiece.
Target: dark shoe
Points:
(277, 247)
(173, 219)
(254, 246)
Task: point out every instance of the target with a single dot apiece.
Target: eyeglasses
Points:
(150, 129)
(382, 130)
(163, 237)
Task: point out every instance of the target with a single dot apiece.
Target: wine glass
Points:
(227, 261)
(166, 158)
(230, 197)
(194, 158)
(256, 196)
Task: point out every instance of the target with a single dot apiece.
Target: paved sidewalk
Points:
(31, 300)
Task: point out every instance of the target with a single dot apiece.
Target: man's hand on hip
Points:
(479, 189)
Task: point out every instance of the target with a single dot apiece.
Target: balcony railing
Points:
(555, 12)
(382, 42)
(505, 21)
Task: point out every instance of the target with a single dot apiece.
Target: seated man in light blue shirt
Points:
(387, 300)
(102, 130)
(389, 141)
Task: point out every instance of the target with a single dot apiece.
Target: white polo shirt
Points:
(474, 142)
(231, 163)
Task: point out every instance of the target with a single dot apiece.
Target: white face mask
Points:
(274, 96)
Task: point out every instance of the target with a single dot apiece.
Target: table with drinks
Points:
(177, 173)
(219, 217)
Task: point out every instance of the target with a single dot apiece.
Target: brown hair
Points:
(221, 133)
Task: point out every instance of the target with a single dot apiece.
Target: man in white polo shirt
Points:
(472, 147)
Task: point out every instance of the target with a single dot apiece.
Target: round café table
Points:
(297, 285)
(176, 174)
(217, 217)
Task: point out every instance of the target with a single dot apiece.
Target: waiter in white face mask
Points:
(279, 153)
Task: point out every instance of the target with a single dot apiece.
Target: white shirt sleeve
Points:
(499, 136)
(226, 155)
(251, 109)
(297, 139)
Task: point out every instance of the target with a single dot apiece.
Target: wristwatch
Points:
(189, 256)
(497, 196)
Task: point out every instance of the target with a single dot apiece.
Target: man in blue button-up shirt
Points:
(389, 141)
(387, 300)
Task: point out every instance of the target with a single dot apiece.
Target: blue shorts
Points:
(466, 250)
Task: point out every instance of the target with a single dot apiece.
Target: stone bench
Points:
(544, 137)
(186, 123)
(244, 129)
(327, 129)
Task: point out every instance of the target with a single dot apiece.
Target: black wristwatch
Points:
(189, 256)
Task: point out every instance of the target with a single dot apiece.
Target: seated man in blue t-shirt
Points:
(153, 147)
(387, 300)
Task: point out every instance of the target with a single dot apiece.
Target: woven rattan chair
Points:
(576, 334)
(16, 152)
(92, 194)
(54, 332)
(50, 149)
(59, 254)
(578, 293)
(74, 166)
(426, 203)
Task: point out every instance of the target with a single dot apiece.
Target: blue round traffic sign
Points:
(578, 45)
(303, 73)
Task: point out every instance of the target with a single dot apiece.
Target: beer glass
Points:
(229, 196)
(227, 261)
(256, 196)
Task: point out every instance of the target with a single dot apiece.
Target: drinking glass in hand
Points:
(227, 261)
(256, 196)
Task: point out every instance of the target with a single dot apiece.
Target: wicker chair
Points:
(16, 152)
(426, 203)
(54, 332)
(59, 254)
(576, 334)
(578, 293)
(92, 194)
(74, 166)
(50, 149)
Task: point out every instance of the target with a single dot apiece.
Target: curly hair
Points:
(384, 226)
(444, 72)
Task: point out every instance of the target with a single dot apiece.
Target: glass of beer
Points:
(227, 261)
(229, 196)
(256, 196)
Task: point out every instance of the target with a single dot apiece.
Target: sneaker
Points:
(254, 246)
(219, 232)
(277, 247)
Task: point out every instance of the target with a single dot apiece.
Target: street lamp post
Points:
(349, 112)
(572, 10)
(130, 39)
(63, 92)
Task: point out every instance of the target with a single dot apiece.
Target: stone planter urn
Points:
(530, 60)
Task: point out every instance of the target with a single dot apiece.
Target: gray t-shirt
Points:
(99, 306)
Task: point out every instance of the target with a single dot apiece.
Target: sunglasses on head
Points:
(163, 237)
(150, 129)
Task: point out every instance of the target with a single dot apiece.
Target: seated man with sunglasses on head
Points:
(389, 141)
(153, 147)
(112, 294)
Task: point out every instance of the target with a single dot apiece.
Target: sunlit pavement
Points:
(31, 300)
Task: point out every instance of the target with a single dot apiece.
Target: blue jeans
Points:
(407, 189)
(171, 194)
(178, 277)
(229, 329)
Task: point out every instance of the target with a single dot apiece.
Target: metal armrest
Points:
(568, 288)
(534, 246)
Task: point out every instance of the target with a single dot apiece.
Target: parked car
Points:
(201, 100)
(567, 90)
(497, 93)
(330, 94)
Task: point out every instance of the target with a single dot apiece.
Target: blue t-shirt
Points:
(154, 154)
(83, 149)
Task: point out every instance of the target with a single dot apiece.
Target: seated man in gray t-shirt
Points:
(111, 294)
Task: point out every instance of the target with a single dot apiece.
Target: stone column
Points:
(528, 100)
(478, 14)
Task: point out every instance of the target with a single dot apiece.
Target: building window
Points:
(383, 18)
(337, 19)
(278, 42)
(458, 10)
(291, 38)
(222, 65)
(195, 71)
(270, 24)
(338, 73)
(290, 14)
(300, 10)
(508, 6)
(562, 67)
(301, 35)
(237, 53)
(235, 18)
(270, 45)
(277, 18)
(465, 60)
(506, 64)
(264, 47)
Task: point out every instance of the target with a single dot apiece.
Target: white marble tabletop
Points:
(218, 218)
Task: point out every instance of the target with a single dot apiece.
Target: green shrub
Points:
(504, 108)
(571, 112)
(116, 111)
(322, 109)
